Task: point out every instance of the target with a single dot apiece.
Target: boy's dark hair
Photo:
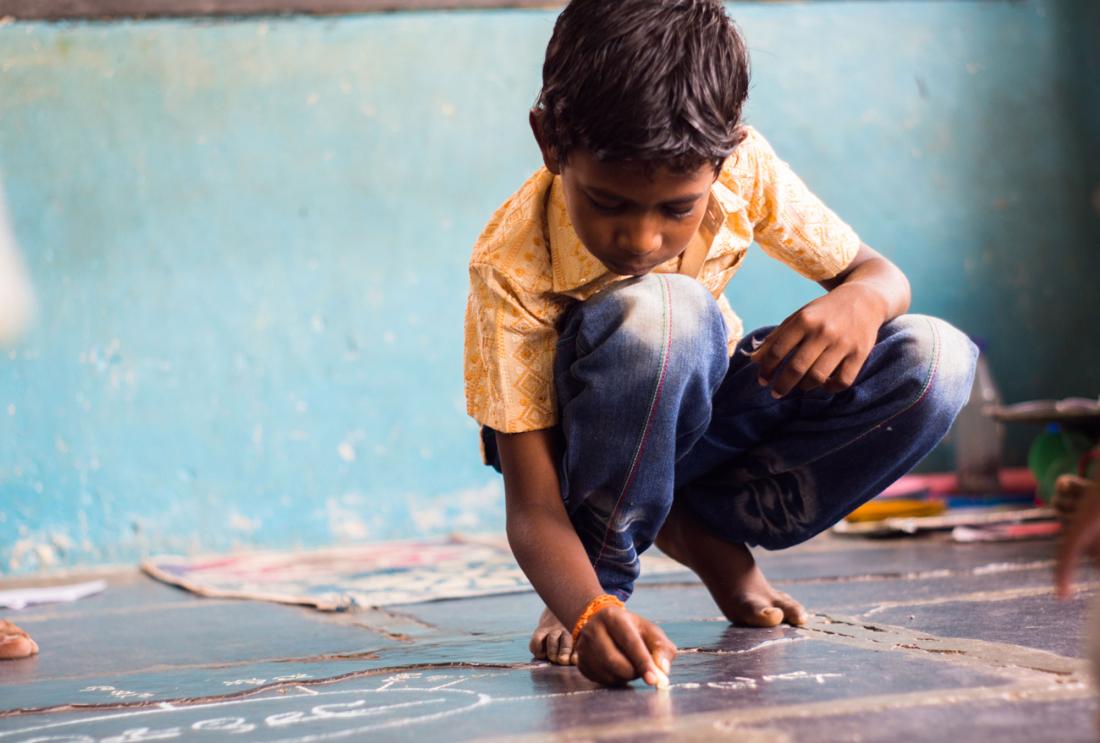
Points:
(655, 81)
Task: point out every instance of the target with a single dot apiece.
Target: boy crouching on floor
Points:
(616, 391)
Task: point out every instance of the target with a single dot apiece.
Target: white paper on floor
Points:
(19, 598)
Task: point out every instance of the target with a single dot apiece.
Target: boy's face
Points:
(630, 219)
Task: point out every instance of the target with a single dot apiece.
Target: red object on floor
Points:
(1013, 480)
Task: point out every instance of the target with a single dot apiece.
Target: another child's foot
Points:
(14, 642)
(729, 572)
(552, 641)
(1068, 490)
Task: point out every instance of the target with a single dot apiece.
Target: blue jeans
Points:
(653, 409)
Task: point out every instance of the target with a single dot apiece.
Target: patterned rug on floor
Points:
(382, 574)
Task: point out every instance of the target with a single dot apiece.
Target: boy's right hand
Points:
(617, 646)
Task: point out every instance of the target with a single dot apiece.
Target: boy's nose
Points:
(640, 237)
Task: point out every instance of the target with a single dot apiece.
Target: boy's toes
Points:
(757, 613)
(14, 646)
(793, 613)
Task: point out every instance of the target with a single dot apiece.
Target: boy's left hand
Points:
(825, 343)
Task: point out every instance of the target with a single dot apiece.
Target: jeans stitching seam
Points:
(654, 399)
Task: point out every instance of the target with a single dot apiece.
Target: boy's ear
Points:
(549, 155)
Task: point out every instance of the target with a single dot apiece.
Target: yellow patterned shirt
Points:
(528, 267)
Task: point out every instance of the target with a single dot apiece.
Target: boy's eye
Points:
(680, 213)
(604, 207)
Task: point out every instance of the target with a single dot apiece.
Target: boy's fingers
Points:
(537, 646)
(846, 374)
(797, 366)
(772, 352)
(563, 648)
(630, 642)
(822, 371)
(661, 649)
(603, 655)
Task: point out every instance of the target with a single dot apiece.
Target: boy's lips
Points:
(629, 269)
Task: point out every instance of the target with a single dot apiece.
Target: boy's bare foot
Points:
(729, 572)
(552, 641)
(14, 642)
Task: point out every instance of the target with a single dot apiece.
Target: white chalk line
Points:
(227, 703)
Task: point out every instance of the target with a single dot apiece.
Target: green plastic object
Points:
(1056, 452)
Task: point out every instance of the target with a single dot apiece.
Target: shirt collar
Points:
(574, 267)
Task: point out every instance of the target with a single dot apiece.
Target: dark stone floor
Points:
(915, 640)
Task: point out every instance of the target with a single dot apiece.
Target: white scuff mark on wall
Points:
(346, 451)
(432, 518)
(317, 322)
(258, 437)
(240, 522)
(43, 554)
(469, 509)
(312, 98)
(11, 408)
(61, 541)
(345, 524)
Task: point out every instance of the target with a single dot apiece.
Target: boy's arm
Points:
(829, 339)
(617, 646)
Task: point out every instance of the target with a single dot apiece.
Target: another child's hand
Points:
(1083, 535)
(617, 646)
(825, 343)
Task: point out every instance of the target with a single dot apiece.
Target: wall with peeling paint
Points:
(249, 237)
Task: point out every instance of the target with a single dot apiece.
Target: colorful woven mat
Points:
(382, 574)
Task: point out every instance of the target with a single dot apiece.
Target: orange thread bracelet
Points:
(595, 605)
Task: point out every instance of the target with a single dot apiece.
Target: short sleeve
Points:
(510, 342)
(790, 223)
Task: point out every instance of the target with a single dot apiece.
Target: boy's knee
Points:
(653, 312)
(941, 358)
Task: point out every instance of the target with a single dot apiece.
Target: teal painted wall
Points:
(249, 239)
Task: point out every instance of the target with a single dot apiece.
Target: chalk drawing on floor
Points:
(396, 701)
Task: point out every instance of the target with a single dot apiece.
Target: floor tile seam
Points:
(167, 667)
(405, 615)
(185, 702)
(1024, 692)
(994, 658)
(1006, 594)
(979, 570)
(879, 577)
(76, 613)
